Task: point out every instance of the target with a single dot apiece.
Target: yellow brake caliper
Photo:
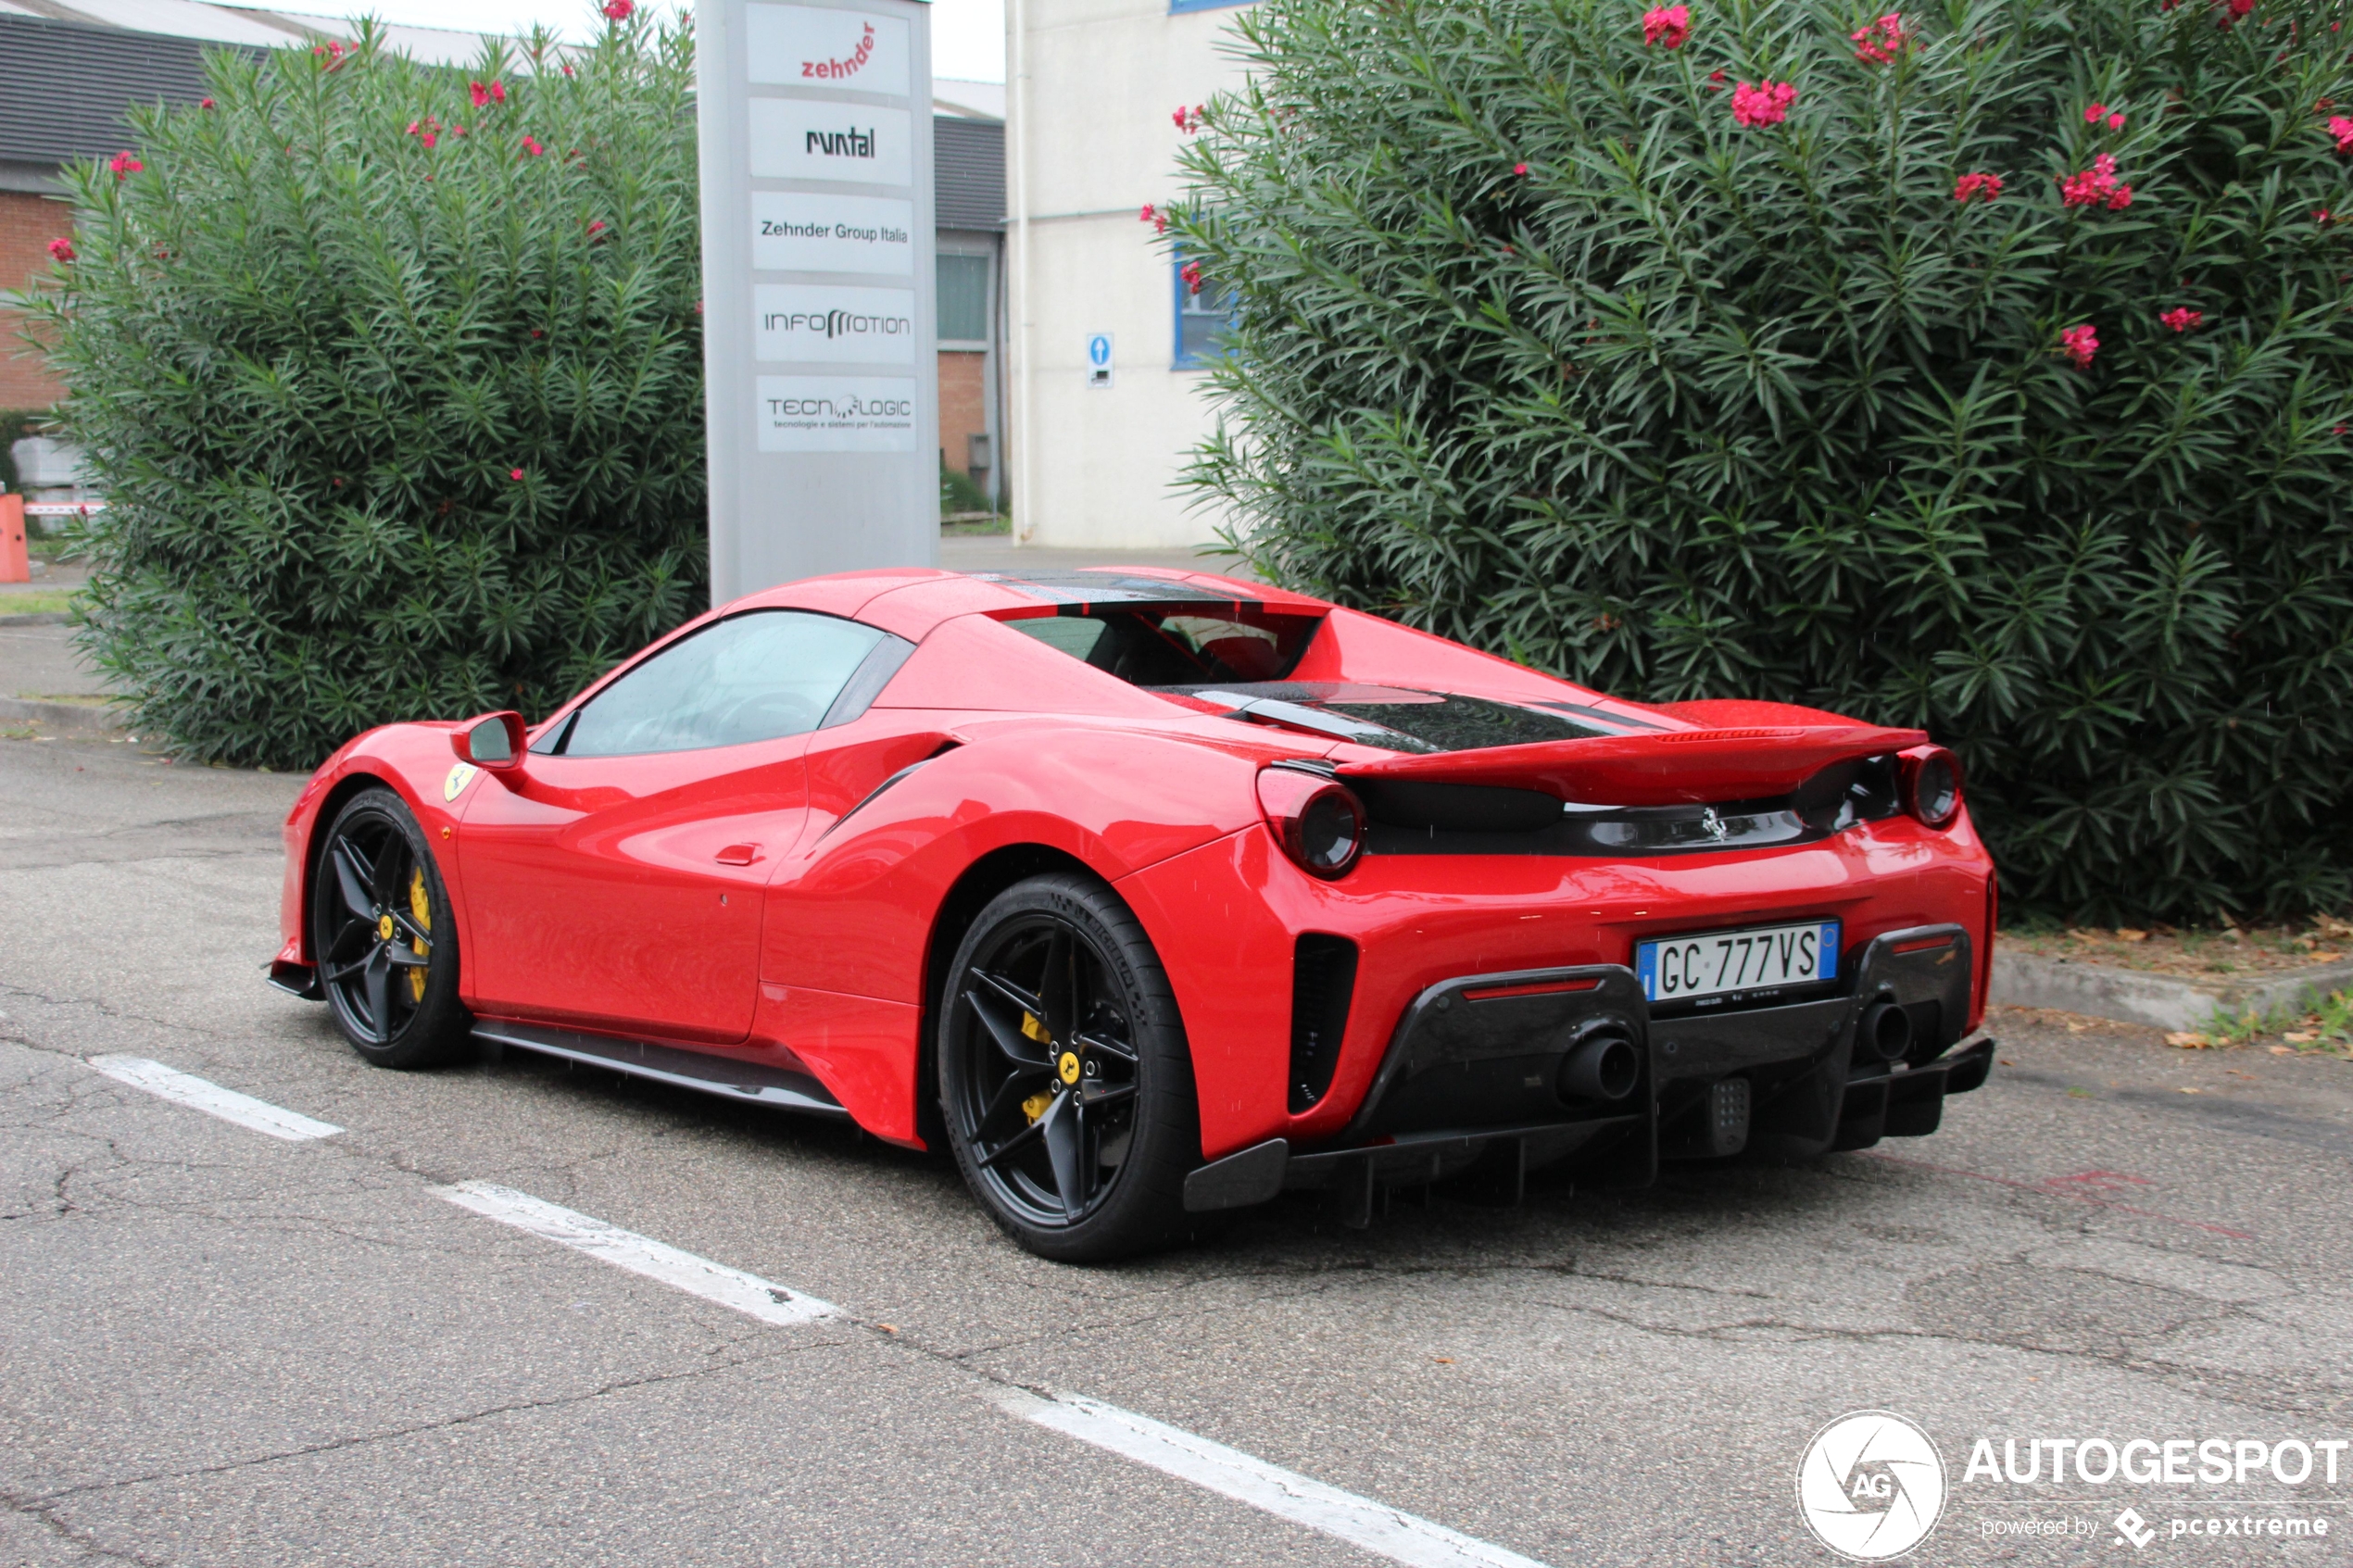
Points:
(420, 908)
(1035, 1106)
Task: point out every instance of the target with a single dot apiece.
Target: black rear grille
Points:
(1411, 817)
(1323, 979)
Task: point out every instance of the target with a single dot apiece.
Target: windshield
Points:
(1174, 645)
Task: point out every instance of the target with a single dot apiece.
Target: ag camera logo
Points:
(1871, 1486)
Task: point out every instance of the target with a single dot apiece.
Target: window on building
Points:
(1203, 317)
(964, 299)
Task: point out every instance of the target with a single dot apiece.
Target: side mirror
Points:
(495, 740)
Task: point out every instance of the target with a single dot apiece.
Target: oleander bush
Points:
(393, 377)
(1982, 367)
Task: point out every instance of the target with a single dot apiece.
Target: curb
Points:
(84, 719)
(38, 618)
(2161, 1001)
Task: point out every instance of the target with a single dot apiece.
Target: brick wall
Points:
(964, 409)
(26, 225)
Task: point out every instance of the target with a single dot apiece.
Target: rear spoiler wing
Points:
(1673, 767)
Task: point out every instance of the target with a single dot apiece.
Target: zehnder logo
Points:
(836, 323)
(1871, 1486)
(833, 71)
(785, 229)
(852, 142)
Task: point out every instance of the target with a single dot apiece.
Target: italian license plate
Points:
(1716, 964)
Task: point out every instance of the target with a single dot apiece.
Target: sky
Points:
(967, 36)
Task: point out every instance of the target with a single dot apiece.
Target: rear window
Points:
(1177, 644)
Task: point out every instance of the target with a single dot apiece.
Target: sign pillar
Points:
(819, 336)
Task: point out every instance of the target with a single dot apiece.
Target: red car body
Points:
(763, 910)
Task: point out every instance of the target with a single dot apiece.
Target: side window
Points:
(757, 676)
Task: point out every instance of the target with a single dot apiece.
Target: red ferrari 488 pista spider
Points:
(1155, 894)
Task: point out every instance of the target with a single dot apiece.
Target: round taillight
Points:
(1318, 821)
(1933, 786)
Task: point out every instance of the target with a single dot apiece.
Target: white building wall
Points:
(1089, 139)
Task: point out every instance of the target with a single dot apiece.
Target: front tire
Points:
(387, 942)
(1064, 1078)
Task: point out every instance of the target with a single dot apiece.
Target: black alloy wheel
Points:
(385, 944)
(1064, 1078)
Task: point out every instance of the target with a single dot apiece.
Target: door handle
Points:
(738, 855)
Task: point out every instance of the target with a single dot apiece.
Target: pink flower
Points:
(1669, 25)
(2321, 215)
(1715, 79)
(2080, 344)
(498, 91)
(566, 67)
(517, 473)
(205, 104)
(2182, 318)
(2095, 186)
(124, 166)
(1191, 274)
(618, 11)
(2116, 122)
(597, 227)
(531, 144)
(1766, 103)
(429, 139)
(2341, 128)
(1189, 120)
(1520, 169)
(457, 131)
(61, 250)
(481, 93)
(1880, 42)
(2092, 115)
(1145, 216)
(1980, 187)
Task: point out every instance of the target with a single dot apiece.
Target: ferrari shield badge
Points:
(459, 777)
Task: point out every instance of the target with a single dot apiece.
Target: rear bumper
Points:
(1472, 1082)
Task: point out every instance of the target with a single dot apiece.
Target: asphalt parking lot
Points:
(223, 1346)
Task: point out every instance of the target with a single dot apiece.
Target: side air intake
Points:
(1322, 978)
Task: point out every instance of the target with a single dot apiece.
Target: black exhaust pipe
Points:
(1884, 1034)
(1604, 1066)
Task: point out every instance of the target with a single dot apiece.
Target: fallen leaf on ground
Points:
(2189, 1040)
(2298, 1037)
(2283, 1050)
(2130, 935)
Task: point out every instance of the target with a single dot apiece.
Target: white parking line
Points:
(640, 1255)
(1391, 1532)
(172, 1084)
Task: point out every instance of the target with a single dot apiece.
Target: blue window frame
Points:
(1202, 320)
(1176, 8)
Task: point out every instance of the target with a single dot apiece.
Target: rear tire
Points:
(385, 941)
(1065, 1079)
